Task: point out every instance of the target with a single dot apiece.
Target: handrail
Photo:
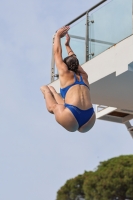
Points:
(85, 13)
(95, 6)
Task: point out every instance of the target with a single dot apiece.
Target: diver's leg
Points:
(57, 96)
(62, 115)
(65, 118)
(50, 101)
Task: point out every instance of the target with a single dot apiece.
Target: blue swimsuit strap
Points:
(75, 78)
(81, 81)
(63, 91)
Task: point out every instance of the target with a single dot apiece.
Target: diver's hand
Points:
(62, 31)
(67, 40)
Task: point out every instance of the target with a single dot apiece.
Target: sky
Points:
(37, 155)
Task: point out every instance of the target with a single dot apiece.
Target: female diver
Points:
(73, 109)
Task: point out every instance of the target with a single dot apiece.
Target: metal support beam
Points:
(52, 62)
(129, 128)
(87, 39)
(92, 40)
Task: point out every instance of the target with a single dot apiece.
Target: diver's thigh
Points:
(57, 96)
(65, 118)
(88, 125)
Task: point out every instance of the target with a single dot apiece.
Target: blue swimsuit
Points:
(82, 116)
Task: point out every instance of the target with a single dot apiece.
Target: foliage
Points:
(71, 189)
(112, 180)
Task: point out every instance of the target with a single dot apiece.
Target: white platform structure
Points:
(111, 82)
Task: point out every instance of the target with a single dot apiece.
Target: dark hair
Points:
(72, 63)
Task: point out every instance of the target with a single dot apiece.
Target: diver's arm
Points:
(58, 49)
(67, 44)
(71, 52)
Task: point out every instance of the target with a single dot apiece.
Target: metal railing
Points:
(53, 75)
(105, 24)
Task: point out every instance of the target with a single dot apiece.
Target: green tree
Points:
(71, 189)
(112, 180)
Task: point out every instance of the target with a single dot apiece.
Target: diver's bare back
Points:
(77, 95)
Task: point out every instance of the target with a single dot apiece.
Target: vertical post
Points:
(86, 39)
(52, 62)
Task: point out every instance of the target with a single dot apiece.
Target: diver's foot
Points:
(45, 89)
(52, 89)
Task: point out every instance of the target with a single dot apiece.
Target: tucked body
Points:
(73, 108)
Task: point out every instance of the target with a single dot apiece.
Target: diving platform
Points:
(105, 52)
(111, 114)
